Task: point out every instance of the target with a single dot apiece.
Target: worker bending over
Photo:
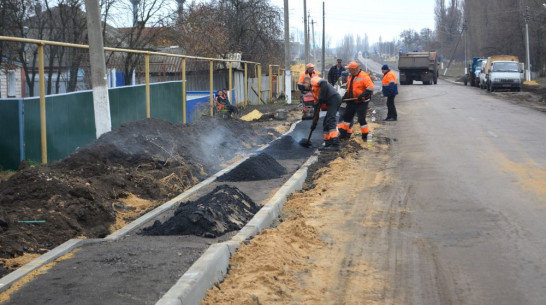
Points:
(326, 98)
(359, 92)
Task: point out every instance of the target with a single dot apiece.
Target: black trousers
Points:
(330, 122)
(359, 109)
(391, 114)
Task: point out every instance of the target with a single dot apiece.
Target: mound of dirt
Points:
(149, 159)
(260, 167)
(224, 209)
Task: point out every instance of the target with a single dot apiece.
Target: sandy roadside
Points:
(311, 257)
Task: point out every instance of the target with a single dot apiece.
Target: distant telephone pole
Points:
(323, 40)
(306, 29)
(101, 103)
(528, 74)
(313, 31)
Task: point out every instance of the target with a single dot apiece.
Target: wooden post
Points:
(41, 77)
(147, 72)
(211, 63)
(184, 101)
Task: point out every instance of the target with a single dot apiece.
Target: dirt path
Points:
(312, 256)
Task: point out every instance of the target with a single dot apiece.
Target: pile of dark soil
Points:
(152, 159)
(224, 209)
(260, 167)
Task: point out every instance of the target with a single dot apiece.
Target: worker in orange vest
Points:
(309, 72)
(390, 90)
(326, 98)
(359, 92)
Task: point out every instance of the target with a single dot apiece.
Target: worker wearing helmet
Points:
(326, 98)
(309, 72)
(359, 92)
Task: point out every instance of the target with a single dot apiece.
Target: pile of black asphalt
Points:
(140, 268)
(260, 167)
(223, 210)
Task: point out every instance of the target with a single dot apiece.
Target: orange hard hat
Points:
(309, 65)
(352, 65)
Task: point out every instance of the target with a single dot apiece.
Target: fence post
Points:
(184, 101)
(283, 79)
(230, 82)
(211, 64)
(246, 84)
(278, 80)
(259, 66)
(270, 82)
(147, 75)
(43, 129)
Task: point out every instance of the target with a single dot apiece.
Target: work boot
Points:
(343, 134)
(364, 137)
(335, 145)
(327, 143)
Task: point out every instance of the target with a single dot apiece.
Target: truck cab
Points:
(474, 69)
(505, 75)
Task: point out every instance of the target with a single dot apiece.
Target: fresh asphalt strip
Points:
(127, 268)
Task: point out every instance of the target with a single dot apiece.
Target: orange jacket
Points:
(388, 78)
(360, 84)
(304, 73)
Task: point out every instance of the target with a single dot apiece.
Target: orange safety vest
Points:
(389, 77)
(361, 82)
(315, 89)
(304, 73)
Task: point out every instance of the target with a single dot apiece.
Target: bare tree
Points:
(223, 27)
(346, 48)
(498, 27)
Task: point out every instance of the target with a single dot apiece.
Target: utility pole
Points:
(465, 45)
(323, 40)
(314, 45)
(306, 29)
(528, 74)
(287, 80)
(101, 104)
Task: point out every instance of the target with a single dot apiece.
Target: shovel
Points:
(307, 142)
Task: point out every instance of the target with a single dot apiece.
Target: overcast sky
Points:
(385, 18)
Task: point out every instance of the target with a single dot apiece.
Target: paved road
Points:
(471, 172)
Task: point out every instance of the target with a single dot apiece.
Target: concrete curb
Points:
(38, 262)
(212, 266)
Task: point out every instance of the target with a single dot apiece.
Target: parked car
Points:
(505, 74)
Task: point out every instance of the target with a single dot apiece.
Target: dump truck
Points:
(473, 73)
(421, 66)
(503, 72)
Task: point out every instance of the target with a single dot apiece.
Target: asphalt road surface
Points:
(473, 168)
(452, 211)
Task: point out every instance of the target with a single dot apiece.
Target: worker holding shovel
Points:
(358, 95)
(326, 98)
